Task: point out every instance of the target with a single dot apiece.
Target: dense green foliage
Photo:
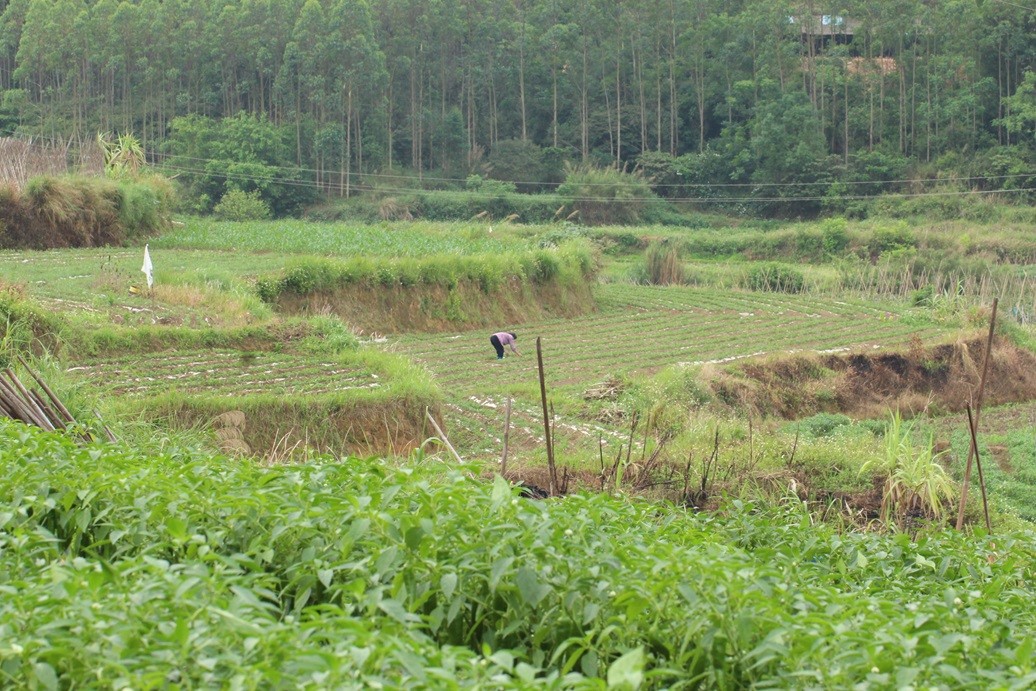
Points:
(126, 568)
(765, 107)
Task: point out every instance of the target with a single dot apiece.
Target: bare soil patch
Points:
(941, 378)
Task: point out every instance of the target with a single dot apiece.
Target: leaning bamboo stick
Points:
(50, 394)
(23, 411)
(442, 435)
(44, 421)
(978, 464)
(551, 468)
(48, 412)
(978, 411)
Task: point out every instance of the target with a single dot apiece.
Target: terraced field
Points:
(221, 373)
(640, 329)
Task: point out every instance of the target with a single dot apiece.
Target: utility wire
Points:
(710, 185)
(336, 186)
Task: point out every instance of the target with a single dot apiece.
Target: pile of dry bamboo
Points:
(19, 403)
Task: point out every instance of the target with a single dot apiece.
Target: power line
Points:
(587, 199)
(709, 185)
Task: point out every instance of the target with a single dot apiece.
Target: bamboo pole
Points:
(30, 411)
(50, 394)
(546, 422)
(978, 412)
(507, 434)
(978, 464)
(442, 435)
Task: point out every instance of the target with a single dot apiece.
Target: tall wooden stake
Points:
(978, 464)
(978, 411)
(552, 470)
(507, 434)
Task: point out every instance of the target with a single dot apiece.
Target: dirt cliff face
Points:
(942, 378)
(401, 309)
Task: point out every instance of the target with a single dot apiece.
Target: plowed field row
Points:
(221, 373)
(641, 329)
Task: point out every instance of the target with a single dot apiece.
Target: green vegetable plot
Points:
(222, 373)
(640, 328)
(120, 570)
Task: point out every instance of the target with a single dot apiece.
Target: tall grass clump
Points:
(80, 211)
(24, 327)
(663, 265)
(606, 196)
(777, 278)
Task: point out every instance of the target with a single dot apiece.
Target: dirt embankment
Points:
(398, 309)
(941, 378)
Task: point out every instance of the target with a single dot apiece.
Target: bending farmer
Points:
(504, 338)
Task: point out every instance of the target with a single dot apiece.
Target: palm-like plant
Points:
(917, 484)
(123, 155)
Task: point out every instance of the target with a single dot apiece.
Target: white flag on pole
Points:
(148, 270)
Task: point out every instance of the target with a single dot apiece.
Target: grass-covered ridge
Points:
(145, 569)
(438, 292)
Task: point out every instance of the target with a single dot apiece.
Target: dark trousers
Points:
(499, 347)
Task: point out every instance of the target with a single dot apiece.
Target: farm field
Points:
(157, 565)
(341, 239)
(197, 287)
(221, 373)
(639, 329)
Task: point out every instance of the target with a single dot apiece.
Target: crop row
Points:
(707, 328)
(172, 569)
(221, 373)
(338, 239)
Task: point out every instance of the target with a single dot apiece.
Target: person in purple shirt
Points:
(504, 338)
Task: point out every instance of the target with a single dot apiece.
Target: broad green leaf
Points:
(529, 586)
(501, 493)
(177, 527)
(448, 583)
(45, 675)
(628, 671)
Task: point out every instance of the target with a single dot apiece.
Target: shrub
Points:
(835, 236)
(238, 205)
(823, 424)
(533, 167)
(775, 278)
(604, 196)
(891, 238)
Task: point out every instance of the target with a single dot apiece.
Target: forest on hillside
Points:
(743, 92)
